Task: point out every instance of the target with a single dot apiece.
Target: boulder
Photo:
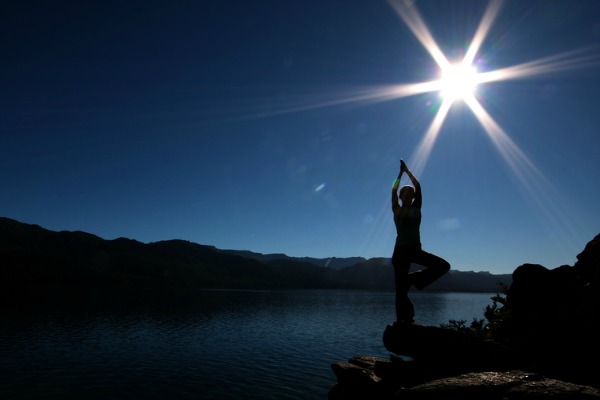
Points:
(368, 378)
(447, 348)
(509, 385)
(554, 316)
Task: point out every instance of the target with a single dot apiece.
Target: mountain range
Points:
(32, 255)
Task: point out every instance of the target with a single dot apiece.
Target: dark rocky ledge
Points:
(366, 377)
(546, 346)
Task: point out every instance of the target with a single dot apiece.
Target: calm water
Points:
(200, 345)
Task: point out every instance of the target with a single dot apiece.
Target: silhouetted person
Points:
(407, 250)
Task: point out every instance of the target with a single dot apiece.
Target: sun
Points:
(458, 82)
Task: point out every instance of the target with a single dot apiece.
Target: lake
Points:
(204, 344)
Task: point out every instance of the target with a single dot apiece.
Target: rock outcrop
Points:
(545, 346)
(365, 377)
(554, 316)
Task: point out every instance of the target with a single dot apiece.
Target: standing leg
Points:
(401, 260)
(435, 267)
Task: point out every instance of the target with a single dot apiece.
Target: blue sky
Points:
(269, 126)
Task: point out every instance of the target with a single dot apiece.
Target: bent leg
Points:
(435, 267)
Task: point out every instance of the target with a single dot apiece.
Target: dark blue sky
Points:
(261, 126)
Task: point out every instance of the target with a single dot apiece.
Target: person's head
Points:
(407, 194)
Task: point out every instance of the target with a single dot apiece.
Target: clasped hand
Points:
(403, 167)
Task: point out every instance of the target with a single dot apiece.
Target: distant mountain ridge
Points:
(32, 255)
(331, 262)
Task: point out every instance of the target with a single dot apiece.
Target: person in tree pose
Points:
(406, 206)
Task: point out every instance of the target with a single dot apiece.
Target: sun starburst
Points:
(459, 82)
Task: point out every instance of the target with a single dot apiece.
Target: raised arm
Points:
(418, 197)
(395, 204)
